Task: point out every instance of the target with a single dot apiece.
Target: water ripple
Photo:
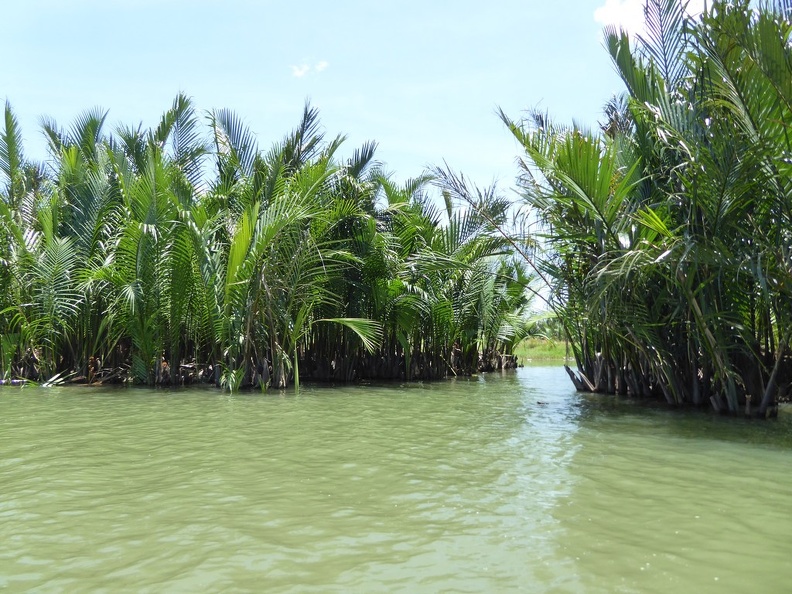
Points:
(486, 484)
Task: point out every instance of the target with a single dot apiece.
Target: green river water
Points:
(467, 485)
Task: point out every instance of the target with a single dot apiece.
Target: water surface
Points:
(499, 483)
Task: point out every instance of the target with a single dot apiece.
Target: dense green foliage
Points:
(184, 252)
(665, 240)
(668, 233)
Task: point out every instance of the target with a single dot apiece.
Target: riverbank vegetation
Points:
(542, 350)
(662, 239)
(185, 253)
(667, 233)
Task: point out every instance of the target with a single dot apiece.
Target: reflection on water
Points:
(497, 483)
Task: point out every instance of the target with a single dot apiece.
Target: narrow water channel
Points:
(500, 483)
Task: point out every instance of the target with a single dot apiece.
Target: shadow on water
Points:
(662, 499)
(619, 413)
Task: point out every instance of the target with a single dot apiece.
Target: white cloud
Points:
(629, 14)
(303, 69)
(300, 71)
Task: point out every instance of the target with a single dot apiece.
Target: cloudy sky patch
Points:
(629, 14)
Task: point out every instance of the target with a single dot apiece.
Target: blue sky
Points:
(423, 79)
